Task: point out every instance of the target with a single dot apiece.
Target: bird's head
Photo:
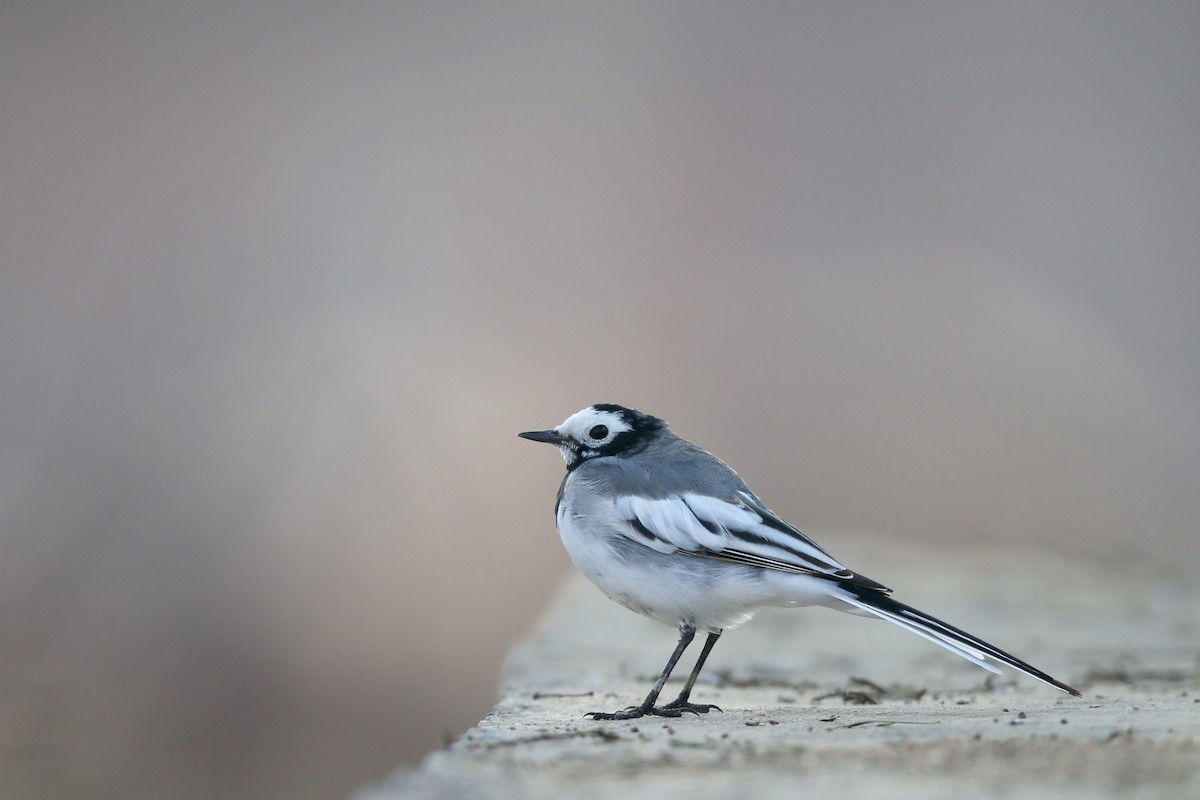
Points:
(604, 429)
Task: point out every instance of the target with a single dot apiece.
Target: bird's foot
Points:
(691, 708)
(633, 712)
(673, 709)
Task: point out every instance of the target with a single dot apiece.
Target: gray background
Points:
(281, 280)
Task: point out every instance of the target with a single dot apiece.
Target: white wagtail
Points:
(670, 531)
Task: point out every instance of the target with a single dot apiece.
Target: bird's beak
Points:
(550, 437)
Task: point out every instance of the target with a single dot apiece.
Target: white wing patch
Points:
(744, 531)
(667, 525)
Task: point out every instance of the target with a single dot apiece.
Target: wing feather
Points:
(741, 530)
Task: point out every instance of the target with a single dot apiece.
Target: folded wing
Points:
(741, 530)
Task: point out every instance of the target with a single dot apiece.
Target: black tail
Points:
(953, 639)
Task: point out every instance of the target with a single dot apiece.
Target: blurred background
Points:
(281, 281)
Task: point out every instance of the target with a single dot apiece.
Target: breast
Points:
(671, 587)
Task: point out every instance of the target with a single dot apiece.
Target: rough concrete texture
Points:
(821, 704)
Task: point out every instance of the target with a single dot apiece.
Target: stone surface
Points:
(817, 702)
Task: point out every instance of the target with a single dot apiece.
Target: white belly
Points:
(678, 587)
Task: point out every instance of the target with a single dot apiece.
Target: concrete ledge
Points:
(819, 702)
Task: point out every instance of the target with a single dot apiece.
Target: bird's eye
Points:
(598, 432)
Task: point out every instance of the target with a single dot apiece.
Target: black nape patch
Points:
(614, 408)
(636, 420)
(643, 428)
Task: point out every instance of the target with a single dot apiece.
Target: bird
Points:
(670, 531)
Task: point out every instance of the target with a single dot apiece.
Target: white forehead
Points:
(578, 424)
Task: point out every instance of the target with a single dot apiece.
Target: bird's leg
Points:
(687, 632)
(681, 703)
